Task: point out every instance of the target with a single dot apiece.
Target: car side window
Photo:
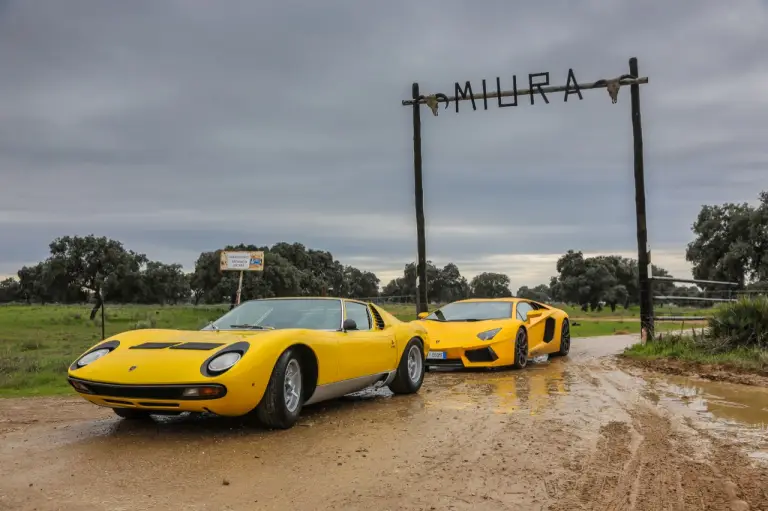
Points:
(522, 310)
(360, 314)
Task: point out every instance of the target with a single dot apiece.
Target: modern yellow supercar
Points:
(494, 333)
(264, 359)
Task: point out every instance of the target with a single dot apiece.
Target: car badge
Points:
(131, 368)
(437, 341)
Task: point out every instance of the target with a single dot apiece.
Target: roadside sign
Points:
(241, 261)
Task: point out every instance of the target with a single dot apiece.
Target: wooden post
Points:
(239, 289)
(421, 267)
(103, 315)
(646, 299)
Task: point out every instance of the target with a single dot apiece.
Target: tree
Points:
(588, 282)
(443, 285)
(10, 290)
(731, 243)
(540, 293)
(490, 285)
(90, 261)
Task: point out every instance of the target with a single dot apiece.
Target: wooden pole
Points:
(643, 257)
(421, 267)
(103, 315)
(239, 288)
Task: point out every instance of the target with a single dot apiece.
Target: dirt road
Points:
(575, 433)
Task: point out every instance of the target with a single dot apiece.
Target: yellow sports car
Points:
(494, 333)
(264, 360)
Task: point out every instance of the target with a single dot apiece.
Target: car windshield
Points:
(472, 311)
(314, 314)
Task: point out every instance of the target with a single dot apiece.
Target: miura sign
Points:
(536, 83)
(538, 88)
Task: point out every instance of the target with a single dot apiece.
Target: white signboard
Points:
(241, 261)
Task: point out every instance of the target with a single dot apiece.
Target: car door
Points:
(367, 350)
(534, 325)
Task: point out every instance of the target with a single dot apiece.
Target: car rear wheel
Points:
(565, 339)
(131, 413)
(410, 371)
(284, 397)
(521, 349)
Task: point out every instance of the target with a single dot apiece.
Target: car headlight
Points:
(92, 357)
(224, 362)
(488, 334)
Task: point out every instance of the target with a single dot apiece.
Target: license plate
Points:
(432, 355)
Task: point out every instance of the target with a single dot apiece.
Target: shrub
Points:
(741, 324)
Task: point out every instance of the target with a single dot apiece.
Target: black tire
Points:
(404, 383)
(131, 413)
(273, 411)
(565, 339)
(521, 349)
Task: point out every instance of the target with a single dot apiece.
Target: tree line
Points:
(730, 244)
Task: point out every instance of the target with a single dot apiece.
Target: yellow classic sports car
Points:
(494, 333)
(264, 360)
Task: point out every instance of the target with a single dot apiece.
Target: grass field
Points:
(683, 348)
(37, 343)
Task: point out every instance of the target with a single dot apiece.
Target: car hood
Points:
(159, 362)
(463, 334)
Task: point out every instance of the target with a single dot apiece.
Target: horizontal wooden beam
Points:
(599, 84)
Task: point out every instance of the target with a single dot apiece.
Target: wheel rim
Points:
(292, 385)
(565, 338)
(522, 348)
(414, 363)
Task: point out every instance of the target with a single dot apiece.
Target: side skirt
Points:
(342, 388)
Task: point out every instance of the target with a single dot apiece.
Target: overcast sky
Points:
(182, 126)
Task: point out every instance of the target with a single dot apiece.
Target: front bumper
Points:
(210, 397)
(498, 354)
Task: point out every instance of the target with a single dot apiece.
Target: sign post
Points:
(241, 261)
(539, 85)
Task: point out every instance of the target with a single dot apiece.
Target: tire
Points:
(276, 409)
(565, 339)
(131, 414)
(521, 349)
(410, 370)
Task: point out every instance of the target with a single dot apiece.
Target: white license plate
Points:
(440, 355)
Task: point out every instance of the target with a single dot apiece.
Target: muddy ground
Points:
(575, 433)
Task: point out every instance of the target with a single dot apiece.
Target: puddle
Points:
(737, 413)
(502, 391)
(743, 404)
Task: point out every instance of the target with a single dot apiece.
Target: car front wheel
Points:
(284, 397)
(521, 349)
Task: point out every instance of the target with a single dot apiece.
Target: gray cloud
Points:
(188, 125)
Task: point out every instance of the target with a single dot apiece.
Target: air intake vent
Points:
(377, 318)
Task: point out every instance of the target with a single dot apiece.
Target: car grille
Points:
(169, 392)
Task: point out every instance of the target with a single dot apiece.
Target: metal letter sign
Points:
(538, 84)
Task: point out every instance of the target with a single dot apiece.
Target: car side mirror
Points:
(349, 324)
(533, 314)
(422, 315)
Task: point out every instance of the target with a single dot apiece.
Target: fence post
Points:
(646, 299)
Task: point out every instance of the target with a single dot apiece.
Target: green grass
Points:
(37, 343)
(683, 348)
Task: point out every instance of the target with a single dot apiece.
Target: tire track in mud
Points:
(648, 463)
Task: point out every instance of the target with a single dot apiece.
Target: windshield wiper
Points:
(252, 327)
